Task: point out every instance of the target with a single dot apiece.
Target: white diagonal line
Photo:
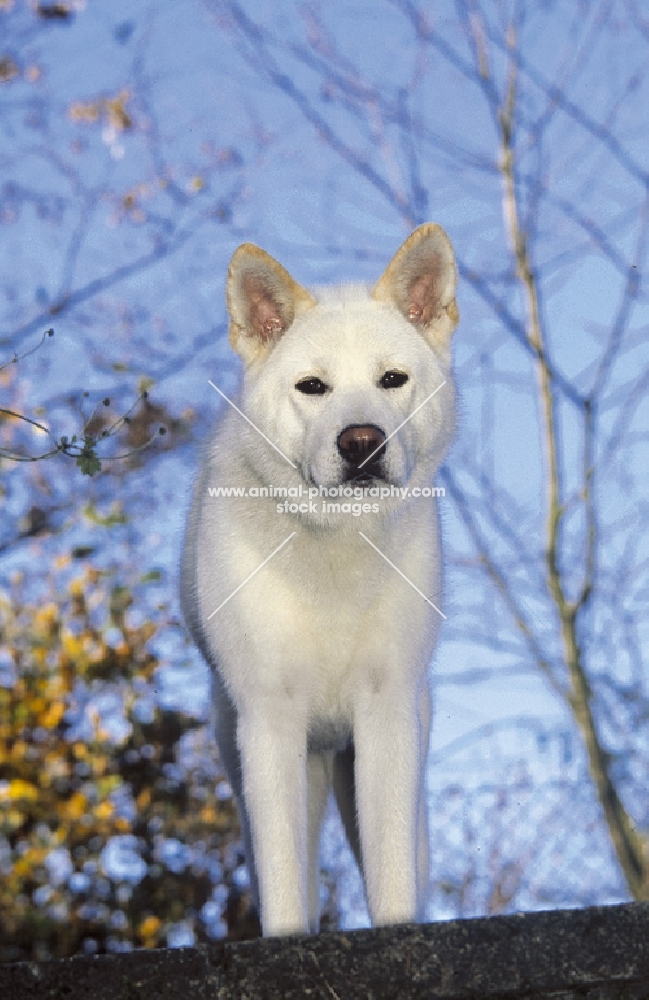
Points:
(274, 552)
(403, 422)
(241, 413)
(402, 575)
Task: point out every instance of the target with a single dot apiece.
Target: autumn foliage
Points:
(116, 830)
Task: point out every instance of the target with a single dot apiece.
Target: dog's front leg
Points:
(389, 778)
(272, 745)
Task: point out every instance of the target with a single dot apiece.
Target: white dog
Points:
(319, 616)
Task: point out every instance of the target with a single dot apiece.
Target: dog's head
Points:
(350, 383)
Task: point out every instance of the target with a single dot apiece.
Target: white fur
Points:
(320, 662)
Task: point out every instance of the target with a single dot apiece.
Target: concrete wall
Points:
(593, 954)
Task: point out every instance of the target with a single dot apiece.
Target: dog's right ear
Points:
(263, 300)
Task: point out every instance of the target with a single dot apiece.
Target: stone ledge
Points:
(592, 954)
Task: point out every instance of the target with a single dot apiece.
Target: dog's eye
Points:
(393, 380)
(312, 386)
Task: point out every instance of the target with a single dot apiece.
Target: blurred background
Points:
(139, 145)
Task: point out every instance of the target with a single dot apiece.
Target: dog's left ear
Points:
(263, 300)
(420, 281)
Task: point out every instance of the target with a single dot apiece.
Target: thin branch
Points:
(19, 357)
(629, 847)
(502, 584)
(163, 249)
(595, 129)
(264, 61)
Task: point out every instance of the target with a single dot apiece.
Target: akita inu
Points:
(319, 617)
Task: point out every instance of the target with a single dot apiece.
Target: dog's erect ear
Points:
(420, 281)
(263, 300)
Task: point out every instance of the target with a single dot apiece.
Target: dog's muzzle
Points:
(356, 444)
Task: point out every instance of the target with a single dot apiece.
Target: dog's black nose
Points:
(358, 441)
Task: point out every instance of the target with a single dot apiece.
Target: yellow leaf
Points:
(19, 789)
(22, 867)
(53, 716)
(75, 807)
(81, 111)
(149, 927)
(15, 819)
(47, 614)
(18, 750)
(72, 646)
(144, 799)
(40, 656)
(115, 109)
